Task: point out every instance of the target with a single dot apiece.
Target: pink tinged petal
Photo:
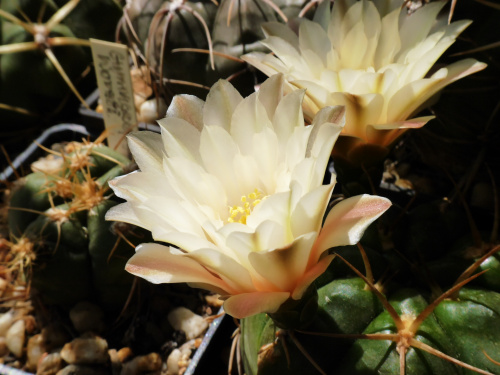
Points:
(147, 149)
(230, 271)
(222, 101)
(249, 117)
(271, 93)
(180, 139)
(311, 275)
(283, 267)
(247, 304)
(385, 134)
(161, 264)
(413, 123)
(308, 214)
(282, 31)
(188, 108)
(313, 37)
(347, 221)
(458, 70)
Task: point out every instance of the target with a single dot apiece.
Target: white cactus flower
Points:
(370, 56)
(236, 185)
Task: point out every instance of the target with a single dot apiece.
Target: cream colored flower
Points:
(236, 185)
(370, 56)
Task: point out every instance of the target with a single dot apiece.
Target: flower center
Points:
(238, 214)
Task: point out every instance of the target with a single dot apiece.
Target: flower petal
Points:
(311, 275)
(308, 214)
(284, 267)
(187, 108)
(147, 149)
(222, 100)
(247, 304)
(161, 264)
(347, 221)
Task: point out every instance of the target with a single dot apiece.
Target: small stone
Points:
(188, 322)
(54, 336)
(173, 362)
(83, 370)
(142, 364)
(213, 300)
(3, 347)
(83, 351)
(6, 321)
(124, 354)
(50, 364)
(116, 364)
(152, 109)
(3, 286)
(34, 351)
(15, 338)
(87, 317)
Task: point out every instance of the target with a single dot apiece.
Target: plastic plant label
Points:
(115, 86)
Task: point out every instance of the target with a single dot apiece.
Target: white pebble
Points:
(6, 321)
(152, 109)
(15, 338)
(185, 320)
(173, 362)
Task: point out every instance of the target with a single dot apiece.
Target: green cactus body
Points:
(336, 302)
(185, 30)
(29, 81)
(79, 255)
(460, 328)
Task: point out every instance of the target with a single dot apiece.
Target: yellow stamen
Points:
(239, 214)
